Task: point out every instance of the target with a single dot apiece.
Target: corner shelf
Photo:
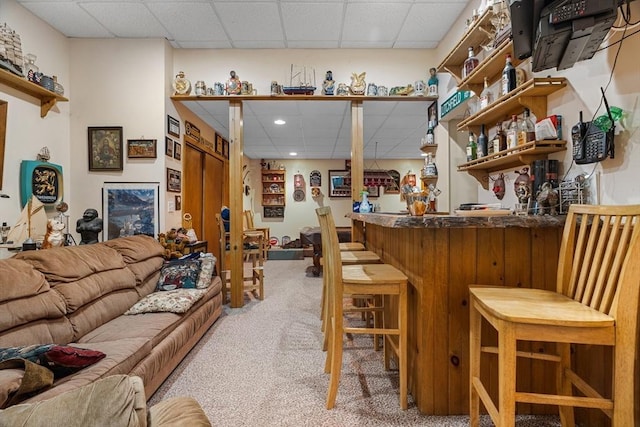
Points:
(47, 98)
(429, 148)
(517, 156)
(531, 94)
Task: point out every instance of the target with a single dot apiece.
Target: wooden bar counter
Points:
(442, 255)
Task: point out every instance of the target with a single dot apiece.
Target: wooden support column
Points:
(357, 149)
(236, 151)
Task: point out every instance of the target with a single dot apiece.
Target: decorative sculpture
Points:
(55, 236)
(328, 85)
(89, 226)
(547, 200)
(358, 85)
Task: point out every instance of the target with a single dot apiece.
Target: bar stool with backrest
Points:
(364, 279)
(254, 281)
(595, 303)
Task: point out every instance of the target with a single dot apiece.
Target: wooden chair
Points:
(595, 303)
(254, 281)
(364, 279)
(351, 246)
(250, 226)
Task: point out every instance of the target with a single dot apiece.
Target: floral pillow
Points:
(207, 263)
(175, 301)
(181, 273)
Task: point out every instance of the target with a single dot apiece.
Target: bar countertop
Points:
(400, 220)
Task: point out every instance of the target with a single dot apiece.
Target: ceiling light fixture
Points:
(279, 122)
(293, 153)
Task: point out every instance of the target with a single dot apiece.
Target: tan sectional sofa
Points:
(77, 296)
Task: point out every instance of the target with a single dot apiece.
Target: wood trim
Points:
(236, 144)
(3, 134)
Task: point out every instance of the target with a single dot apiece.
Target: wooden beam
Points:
(236, 152)
(357, 149)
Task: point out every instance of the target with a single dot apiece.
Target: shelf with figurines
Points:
(47, 98)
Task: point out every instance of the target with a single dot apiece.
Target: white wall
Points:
(26, 131)
(302, 214)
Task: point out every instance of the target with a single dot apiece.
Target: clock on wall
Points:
(181, 85)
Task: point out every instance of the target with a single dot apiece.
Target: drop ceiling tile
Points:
(437, 19)
(251, 21)
(68, 18)
(201, 44)
(311, 21)
(312, 44)
(127, 20)
(189, 21)
(373, 22)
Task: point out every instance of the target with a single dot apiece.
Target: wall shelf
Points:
(273, 188)
(513, 157)
(47, 98)
(429, 148)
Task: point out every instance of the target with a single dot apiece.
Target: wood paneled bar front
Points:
(442, 255)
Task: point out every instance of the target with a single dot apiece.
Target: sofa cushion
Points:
(72, 263)
(22, 311)
(136, 248)
(121, 356)
(175, 301)
(53, 356)
(57, 330)
(19, 279)
(79, 293)
(207, 264)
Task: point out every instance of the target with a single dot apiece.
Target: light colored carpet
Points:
(262, 365)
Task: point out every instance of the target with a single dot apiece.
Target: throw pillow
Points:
(32, 353)
(61, 359)
(179, 274)
(175, 301)
(207, 263)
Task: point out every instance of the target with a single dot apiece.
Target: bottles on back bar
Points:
(508, 77)
(512, 132)
(486, 96)
(483, 143)
(470, 63)
(472, 148)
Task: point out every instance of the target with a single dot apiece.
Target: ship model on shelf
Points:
(11, 58)
(303, 85)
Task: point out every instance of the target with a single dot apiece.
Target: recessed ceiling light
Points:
(293, 153)
(279, 122)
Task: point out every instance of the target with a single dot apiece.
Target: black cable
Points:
(619, 41)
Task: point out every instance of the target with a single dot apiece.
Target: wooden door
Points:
(213, 195)
(193, 187)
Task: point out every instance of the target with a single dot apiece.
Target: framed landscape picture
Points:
(130, 208)
(339, 183)
(105, 148)
(141, 148)
(174, 180)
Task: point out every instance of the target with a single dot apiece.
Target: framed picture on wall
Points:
(168, 149)
(141, 148)
(121, 217)
(225, 148)
(339, 183)
(105, 148)
(219, 142)
(177, 151)
(174, 180)
(173, 126)
(432, 113)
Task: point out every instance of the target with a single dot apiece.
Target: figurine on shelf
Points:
(358, 85)
(234, 85)
(342, 89)
(328, 85)
(432, 83)
(522, 189)
(89, 226)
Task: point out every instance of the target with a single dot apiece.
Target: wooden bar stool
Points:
(365, 279)
(254, 281)
(351, 246)
(595, 303)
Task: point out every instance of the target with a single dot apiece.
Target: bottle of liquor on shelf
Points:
(508, 77)
(499, 140)
(486, 96)
(470, 63)
(472, 148)
(527, 127)
(483, 143)
(512, 132)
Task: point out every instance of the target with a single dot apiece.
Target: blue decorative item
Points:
(365, 206)
(225, 214)
(43, 180)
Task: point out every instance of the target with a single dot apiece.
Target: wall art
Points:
(105, 148)
(130, 208)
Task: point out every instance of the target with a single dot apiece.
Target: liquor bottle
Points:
(528, 126)
(470, 63)
(512, 132)
(486, 96)
(500, 139)
(483, 143)
(472, 148)
(508, 77)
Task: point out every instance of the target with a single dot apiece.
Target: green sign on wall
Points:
(453, 101)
